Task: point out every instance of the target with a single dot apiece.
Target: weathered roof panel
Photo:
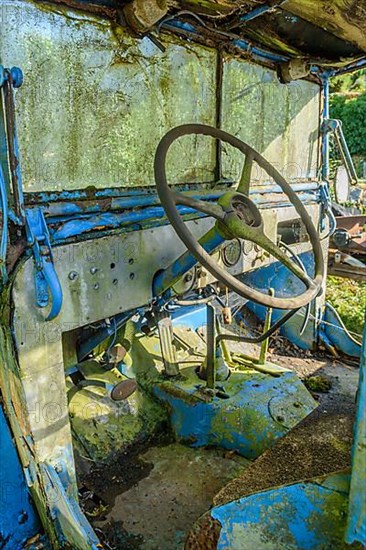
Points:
(330, 33)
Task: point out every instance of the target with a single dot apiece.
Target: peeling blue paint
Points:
(303, 516)
(18, 519)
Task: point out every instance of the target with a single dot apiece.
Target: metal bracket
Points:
(334, 126)
(326, 204)
(9, 149)
(46, 280)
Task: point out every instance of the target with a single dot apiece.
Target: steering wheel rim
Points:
(228, 224)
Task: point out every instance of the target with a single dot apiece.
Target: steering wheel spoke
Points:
(209, 208)
(262, 240)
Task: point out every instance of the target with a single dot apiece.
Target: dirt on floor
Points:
(152, 500)
(150, 497)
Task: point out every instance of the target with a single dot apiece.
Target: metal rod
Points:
(257, 339)
(13, 150)
(211, 348)
(342, 144)
(267, 324)
(325, 134)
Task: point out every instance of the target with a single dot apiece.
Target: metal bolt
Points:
(93, 270)
(115, 282)
(132, 275)
(188, 278)
(96, 286)
(130, 261)
(73, 275)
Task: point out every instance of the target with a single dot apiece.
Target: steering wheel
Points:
(237, 217)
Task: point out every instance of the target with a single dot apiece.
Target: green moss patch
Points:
(349, 299)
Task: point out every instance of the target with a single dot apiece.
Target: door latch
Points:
(46, 280)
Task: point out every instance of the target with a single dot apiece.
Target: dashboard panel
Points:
(106, 276)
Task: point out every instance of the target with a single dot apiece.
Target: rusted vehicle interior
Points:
(165, 211)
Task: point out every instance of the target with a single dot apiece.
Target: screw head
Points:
(73, 275)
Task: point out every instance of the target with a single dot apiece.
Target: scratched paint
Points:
(300, 516)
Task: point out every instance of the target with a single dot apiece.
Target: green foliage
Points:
(352, 113)
(349, 299)
(353, 82)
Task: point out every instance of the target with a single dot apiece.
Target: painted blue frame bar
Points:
(356, 525)
(261, 10)
(258, 54)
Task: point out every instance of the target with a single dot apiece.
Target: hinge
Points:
(46, 281)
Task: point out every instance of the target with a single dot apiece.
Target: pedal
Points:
(123, 389)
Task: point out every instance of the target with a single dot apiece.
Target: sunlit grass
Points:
(349, 299)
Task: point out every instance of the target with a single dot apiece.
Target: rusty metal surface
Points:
(346, 271)
(204, 535)
(329, 33)
(356, 228)
(347, 251)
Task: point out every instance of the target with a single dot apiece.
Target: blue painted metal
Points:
(4, 228)
(329, 327)
(355, 66)
(257, 12)
(59, 209)
(110, 220)
(356, 525)
(259, 409)
(18, 519)
(305, 516)
(73, 529)
(284, 283)
(309, 515)
(326, 209)
(66, 226)
(243, 422)
(258, 54)
(45, 276)
(134, 196)
(166, 278)
(336, 333)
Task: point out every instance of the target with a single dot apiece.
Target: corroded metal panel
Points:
(281, 121)
(95, 101)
